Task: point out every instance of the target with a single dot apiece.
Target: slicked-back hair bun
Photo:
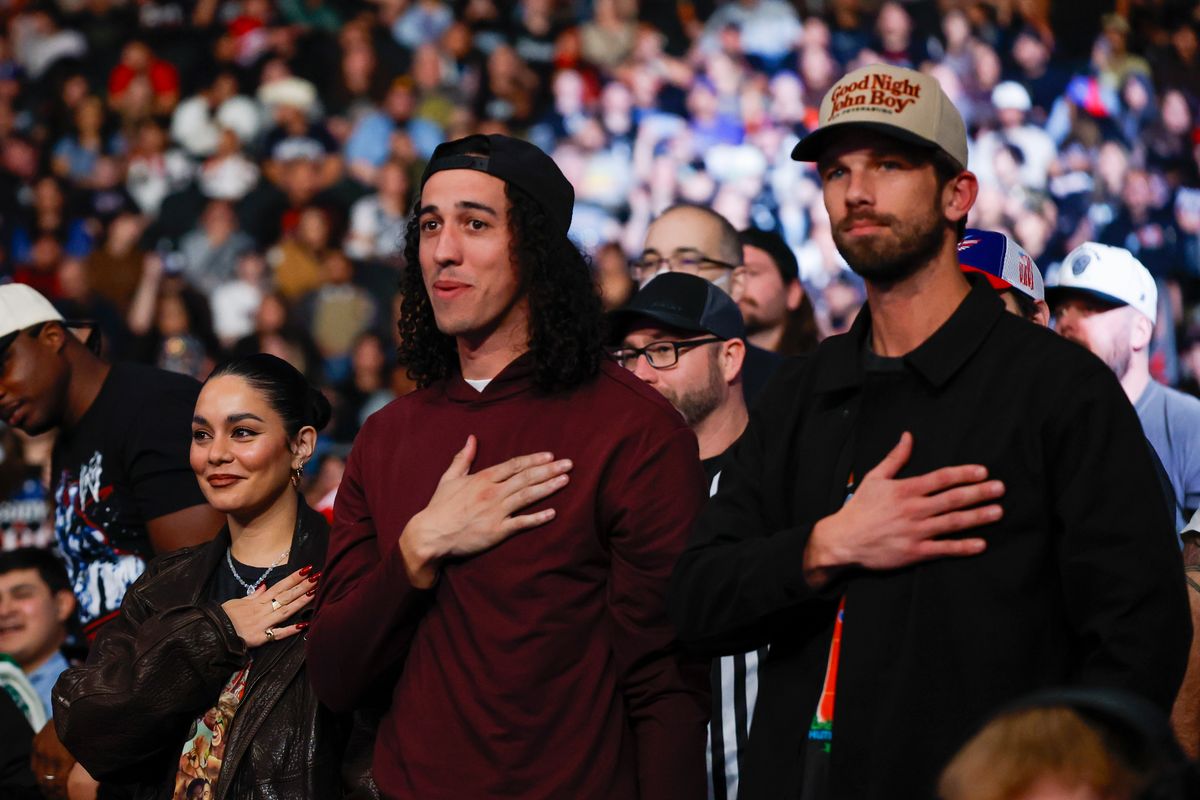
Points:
(285, 389)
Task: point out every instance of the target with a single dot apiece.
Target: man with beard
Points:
(937, 512)
(778, 312)
(685, 337)
(1104, 299)
(699, 241)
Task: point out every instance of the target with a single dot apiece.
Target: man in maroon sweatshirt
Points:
(512, 608)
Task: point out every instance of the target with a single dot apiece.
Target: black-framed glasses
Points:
(692, 262)
(659, 355)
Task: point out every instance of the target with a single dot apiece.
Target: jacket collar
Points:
(936, 359)
(514, 379)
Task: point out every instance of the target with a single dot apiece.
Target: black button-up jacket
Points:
(1081, 582)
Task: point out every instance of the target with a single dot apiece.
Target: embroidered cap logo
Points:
(875, 90)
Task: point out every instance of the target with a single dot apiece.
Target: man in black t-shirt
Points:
(686, 337)
(123, 488)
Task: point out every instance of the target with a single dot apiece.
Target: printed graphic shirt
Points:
(123, 463)
(734, 695)
(204, 749)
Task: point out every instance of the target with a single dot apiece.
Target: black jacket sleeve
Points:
(150, 672)
(1122, 572)
(741, 572)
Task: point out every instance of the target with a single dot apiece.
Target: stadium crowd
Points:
(207, 180)
(210, 177)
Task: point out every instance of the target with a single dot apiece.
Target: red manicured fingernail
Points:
(311, 591)
(313, 578)
(306, 570)
(302, 626)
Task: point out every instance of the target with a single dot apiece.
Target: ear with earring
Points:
(297, 476)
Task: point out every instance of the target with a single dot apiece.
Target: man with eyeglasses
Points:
(123, 490)
(686, 338)
(698, 241)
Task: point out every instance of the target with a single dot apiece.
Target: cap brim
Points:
(1056, 294)
(999, 284)
(621, 321)
(810, 147)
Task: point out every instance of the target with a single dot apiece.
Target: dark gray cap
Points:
(683, 302)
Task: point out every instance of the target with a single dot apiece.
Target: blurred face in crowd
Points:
(1030, 53)
(1106, 330)
(884, 206)
(34, 380)
(172, 316)
(1112, 162)
(957, 29)
(241, 452)
(136, 56)
(47, 196)
(272, 315)
(313, 228)
(696, 384)
(894, 27)
(766, 299)
(691, 241)
(987, 67)
(465, 251)
(32, 617)
(393, 181)
(1176, 116)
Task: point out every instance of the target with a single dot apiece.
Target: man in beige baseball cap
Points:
(906, 105)
(916, 517)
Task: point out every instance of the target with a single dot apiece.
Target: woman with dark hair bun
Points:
(208, 635)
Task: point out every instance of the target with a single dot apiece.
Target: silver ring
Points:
(270, 632)
(275, 604)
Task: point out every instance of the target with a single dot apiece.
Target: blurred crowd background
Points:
(216, 177)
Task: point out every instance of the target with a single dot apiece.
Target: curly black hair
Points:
(566, 318)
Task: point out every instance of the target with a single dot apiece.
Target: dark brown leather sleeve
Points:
(150, 672)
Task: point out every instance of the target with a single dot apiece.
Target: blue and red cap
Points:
(1002, 260)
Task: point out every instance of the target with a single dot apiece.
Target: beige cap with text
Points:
(902, 103)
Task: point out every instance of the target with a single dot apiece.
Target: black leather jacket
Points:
(152, 671)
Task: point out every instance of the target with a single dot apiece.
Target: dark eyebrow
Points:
(199, 420)
(477, 207)
(461, 204)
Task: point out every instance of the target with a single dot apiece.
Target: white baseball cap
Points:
(23, 307)
(902, 103)
(1011, 95)
(1109, 273)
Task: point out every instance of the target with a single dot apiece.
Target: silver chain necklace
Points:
(250, 587)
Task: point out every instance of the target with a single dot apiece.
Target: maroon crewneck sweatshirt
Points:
(545, 667)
